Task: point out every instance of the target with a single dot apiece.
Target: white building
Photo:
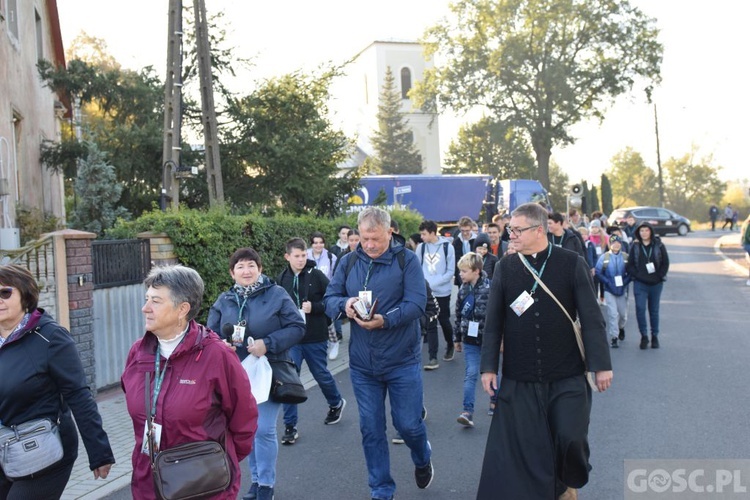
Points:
(30, 112)
(357, 95)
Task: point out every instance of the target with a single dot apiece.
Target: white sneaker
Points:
(333, 350)
(748, 283)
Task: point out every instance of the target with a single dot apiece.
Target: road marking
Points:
(741, 271)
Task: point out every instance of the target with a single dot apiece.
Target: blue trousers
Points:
(315, 355)
(262, 459)
(647, 297)
(404, 388)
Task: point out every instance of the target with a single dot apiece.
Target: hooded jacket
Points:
(481, 292)
(401, 295)
(39, 366)
(641, 255)
(205, 395)
(269, 313)
(438, 265)
(617, 266)
(312, 286)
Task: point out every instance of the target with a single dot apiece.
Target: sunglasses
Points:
(5, 293)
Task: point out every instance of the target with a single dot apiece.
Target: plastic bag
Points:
(259, 372)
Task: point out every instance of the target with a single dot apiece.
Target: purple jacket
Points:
(205, 395)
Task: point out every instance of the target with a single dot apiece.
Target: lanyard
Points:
(158, 379)
(367, 277)
(562, 237)
(240, 320)
(295, 289)
(648, 255)
(538, 273)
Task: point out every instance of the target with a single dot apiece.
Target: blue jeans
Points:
(471, 356)
(315, 355)
(404, 388)
(337, 327)
(262, 459)
(647, 296)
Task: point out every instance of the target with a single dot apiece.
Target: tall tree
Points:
(491, 148)
(283, 152)
(606, 188)
(395, 152)
(691, 185)
(559, 185)
(633, 183)
(586, 195)
(540, 65)
(594, 200)
(98, 194)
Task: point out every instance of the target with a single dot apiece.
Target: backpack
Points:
(607, 255)
(445, 250)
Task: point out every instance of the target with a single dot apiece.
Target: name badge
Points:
(473, 329)
(650, 267)
(366, 297)
(598, 250)
(618, 280)
(302, 313)
(157, 437)
(238, 334)
(522, 303)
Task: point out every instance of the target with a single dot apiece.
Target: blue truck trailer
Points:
(446, 198)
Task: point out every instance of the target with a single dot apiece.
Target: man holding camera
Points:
(387, 285)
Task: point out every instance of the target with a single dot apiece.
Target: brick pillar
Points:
(162, 248)
(79, 264)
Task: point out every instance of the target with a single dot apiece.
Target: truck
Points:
(446, 198)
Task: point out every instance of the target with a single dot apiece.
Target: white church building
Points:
(357, 95)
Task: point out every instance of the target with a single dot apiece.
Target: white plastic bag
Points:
(259, 372)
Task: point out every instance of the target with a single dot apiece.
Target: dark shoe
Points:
(290, 435)
(465, 419)
(252, 493)
(613, 343)
(644, 342)
(432, 365)
(622, 334)
(654, 342)
(448, 354)
(265, 493)
(334, 413)
(397, 439)
(423, 476)
(491, 411)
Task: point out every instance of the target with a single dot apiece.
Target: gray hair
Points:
(372, 217)
(535, 214)
(184, 285)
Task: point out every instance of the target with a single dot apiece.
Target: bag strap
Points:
(576, 328)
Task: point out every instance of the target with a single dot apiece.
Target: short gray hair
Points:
(372, 217)
(184, 285)
(535, 214)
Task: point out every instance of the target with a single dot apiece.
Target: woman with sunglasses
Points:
(41, 376)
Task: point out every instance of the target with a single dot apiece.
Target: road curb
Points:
(729, 239)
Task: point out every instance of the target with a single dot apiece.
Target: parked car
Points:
(663, 220)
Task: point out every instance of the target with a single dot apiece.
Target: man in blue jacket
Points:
(384, 351)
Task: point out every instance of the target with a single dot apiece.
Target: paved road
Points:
(685, 400)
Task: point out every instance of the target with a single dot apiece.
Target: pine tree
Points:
(606, 194)
(98, 192)
(594, 195)
(395, 152)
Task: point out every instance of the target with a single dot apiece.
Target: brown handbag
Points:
(189, 470)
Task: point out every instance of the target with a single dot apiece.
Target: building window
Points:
(13, 18)
(39, 36)
(405, 82)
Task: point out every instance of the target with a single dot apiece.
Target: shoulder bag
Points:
(190, 470)
(29, 447)
(590, 378)
(286, 386)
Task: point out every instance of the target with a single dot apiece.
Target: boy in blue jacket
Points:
(611, 272)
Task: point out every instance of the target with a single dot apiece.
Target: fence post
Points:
(162, 248)
(75, 270)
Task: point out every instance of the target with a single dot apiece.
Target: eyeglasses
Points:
(5, 293)
(519, 230)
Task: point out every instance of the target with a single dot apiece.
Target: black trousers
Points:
(538, 440)
(444, 318)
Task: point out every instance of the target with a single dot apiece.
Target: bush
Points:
(32, 223)
(205, 240)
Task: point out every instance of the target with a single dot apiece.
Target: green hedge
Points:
(204, 240)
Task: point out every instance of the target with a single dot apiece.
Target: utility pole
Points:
(658, 160)
(170, 189)
(210, 125)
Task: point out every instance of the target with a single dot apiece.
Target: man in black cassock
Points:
(537, 448)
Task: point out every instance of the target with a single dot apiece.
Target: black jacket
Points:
(641, 255)
(570, 240)
(458, 249)
(312, 287)
(41, 375)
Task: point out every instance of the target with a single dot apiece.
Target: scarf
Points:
(246, 291)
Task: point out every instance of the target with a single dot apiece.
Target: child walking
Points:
(471, 307)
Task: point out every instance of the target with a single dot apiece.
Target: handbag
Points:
(286, 386)
(29, 447)
(190, 470)
(590, 378)
(260, 374)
